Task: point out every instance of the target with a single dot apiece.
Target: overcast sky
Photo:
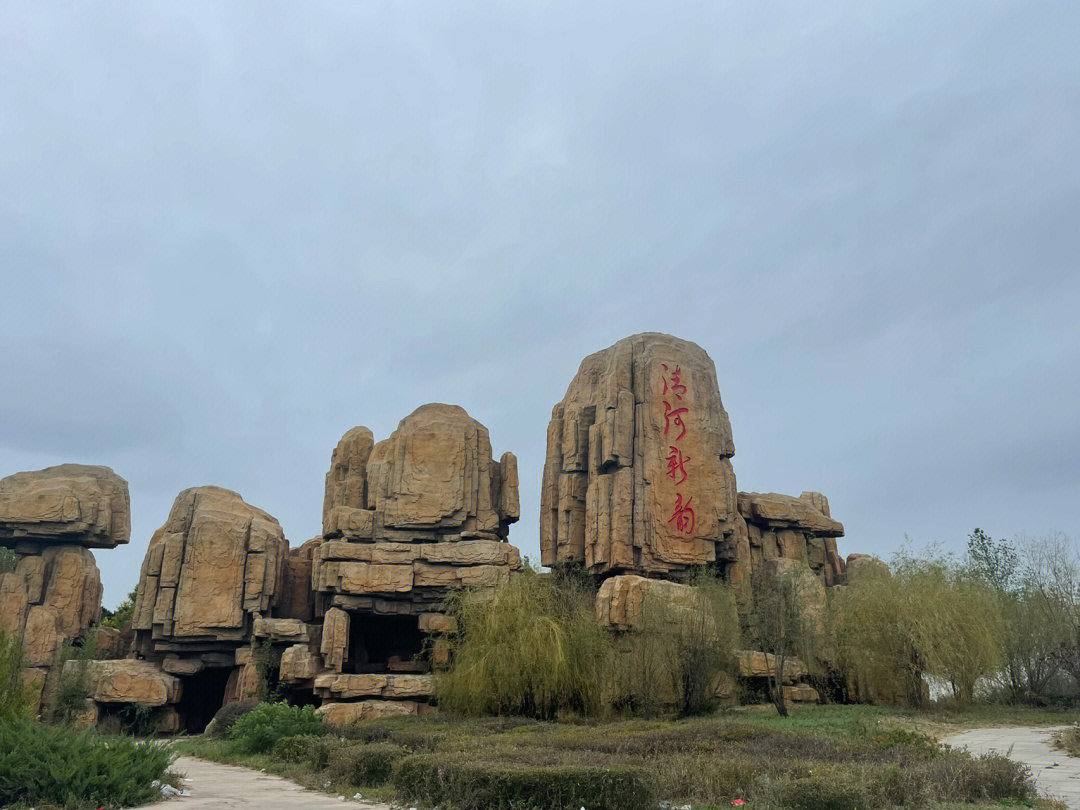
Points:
(229, 233)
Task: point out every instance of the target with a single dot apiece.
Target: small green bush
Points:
(258, 730)
(227, 716)
(313, 749)
(55, 766)
(117, 619)
(433, 779)
(365, 764)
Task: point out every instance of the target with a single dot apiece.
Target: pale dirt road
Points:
(1056, 774)
(212, 785)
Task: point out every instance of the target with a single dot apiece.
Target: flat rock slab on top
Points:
(71, 504)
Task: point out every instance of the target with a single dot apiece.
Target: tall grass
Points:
(533, 648)
(14, 696)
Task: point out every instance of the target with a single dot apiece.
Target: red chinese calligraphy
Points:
(674, 384)
(673, 416)
(675, 465)
(683, 518)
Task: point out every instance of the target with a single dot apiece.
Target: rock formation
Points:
(72, 504)
(637, 476)
(405, 521)
(211, 574)
(49, 518)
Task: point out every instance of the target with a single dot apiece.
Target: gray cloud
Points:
(227, 234)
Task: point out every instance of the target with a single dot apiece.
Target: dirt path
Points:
(211, 785)
(1056, 774)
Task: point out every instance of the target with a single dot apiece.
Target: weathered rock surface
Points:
(637, 476)
(632, 602)
(395, 686)
(432, 479)
(50, 598)
(127, 681)
(216, 564)
(785, 527)
(342, 714)
(72, 504)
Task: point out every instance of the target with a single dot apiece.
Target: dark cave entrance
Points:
(385, 644)
(202, 695)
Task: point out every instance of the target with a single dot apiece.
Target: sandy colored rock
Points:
(244, 684)
(42, 637)
(68, 504)
(632, 602)
(437, 623)
(216, 562)
(87, 716)
(73, 588)
(299, 663)
(637, 475)
(13, 603)
(127, 680)
(800, 693)
(393, 685)
(346, 481)
(296, 599)
(175, 665)
(864, 565)
(756, 664)
(335, 638)
(284, 630)
(110, 643)
(784, 511)
(341, 714)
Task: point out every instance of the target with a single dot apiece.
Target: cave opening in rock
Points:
(203, 694)
(385, 644)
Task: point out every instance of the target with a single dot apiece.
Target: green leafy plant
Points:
(54, 766)
(74, 689)
(9, 561)
(532, 648)
(263, 726)
(119, 618)
(14, 695)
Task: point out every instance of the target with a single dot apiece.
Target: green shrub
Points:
(227, 716)
(74, 684)
(365, 764)
(259, 729)
(9, 561)
(14, 696)
(433, 779)
(120, 617)
(55, 766)
(313, 749)
(556, 660)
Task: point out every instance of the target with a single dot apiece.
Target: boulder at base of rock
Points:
(127, 681)
(343, 714)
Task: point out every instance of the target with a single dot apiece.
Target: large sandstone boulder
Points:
(637, 476)
(69, 504)
(127, 681)
(632, 602)
(215, 564)
(433, 479)
(50, 598)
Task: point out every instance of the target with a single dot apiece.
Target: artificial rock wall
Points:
(51, 518)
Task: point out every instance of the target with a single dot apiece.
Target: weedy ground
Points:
(827, 757)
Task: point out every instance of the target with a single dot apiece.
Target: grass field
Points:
(838, 757)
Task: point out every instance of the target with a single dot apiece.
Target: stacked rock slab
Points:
(638, 475)
(406, 521)
(51, 518)
(211, 574)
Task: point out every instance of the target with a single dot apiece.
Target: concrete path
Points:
(1056, 774)
(211, 785)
